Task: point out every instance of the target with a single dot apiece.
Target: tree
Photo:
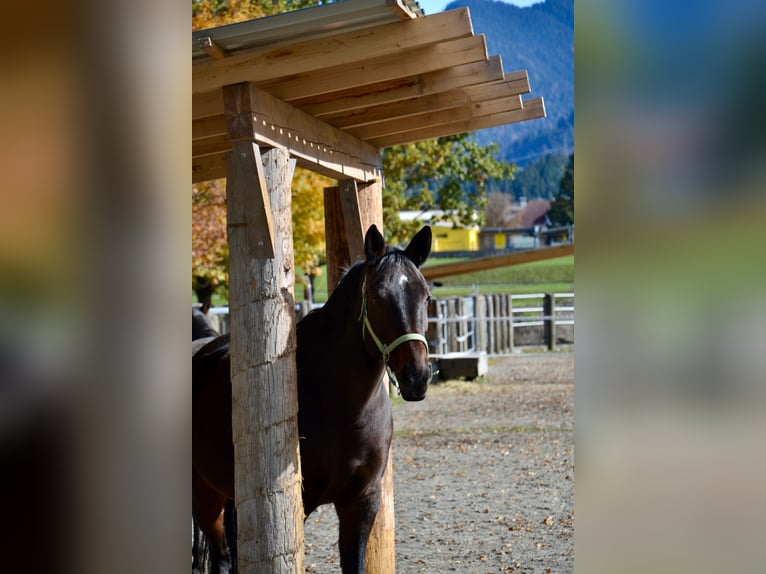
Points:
(498, 211)
(449, 173)
(562, 209)
(210, 250)
(308, 222)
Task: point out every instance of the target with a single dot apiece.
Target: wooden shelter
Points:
(327, 88)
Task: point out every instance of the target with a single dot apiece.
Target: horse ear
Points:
(374, 244)
(420, 246)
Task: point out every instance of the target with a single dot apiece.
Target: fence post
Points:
(549, 322)
(451, 326)
(434, 332)
(491, 339)
(509, 314)
(480, 323)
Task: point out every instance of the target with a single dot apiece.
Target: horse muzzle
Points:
(414, 380)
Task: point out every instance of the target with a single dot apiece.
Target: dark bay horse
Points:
(375, 319)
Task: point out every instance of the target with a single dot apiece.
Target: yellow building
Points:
(445, 237)
(449, 239)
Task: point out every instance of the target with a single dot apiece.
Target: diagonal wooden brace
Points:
(247, 194)
(247, 198)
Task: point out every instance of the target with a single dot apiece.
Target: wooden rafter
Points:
(336, 93)
(346, 49)
(532, 109)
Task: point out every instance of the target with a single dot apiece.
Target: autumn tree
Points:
(210, 250)
(449, 173)
(498, 212)
(308, 222)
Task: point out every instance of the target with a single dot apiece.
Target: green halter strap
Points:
(386, 350)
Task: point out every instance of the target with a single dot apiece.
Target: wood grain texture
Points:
(264, 385)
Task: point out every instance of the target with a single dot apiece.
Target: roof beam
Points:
(392, 67)
(431, 103)
(209, 46)
(384, 93)
(436, 118)
(532, 109)
(315, 144)
(513, 83)
(338, 50)
(402, 10)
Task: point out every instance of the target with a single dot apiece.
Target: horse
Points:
(201, 327)
(375, 320)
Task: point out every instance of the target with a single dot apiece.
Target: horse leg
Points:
(208, 509)
(355, 523)
(230, 527)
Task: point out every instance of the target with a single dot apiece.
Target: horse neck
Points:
(361, 371)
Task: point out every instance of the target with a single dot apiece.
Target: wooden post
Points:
(549, 323)
(480, 322)
(341, 220)
(267, 479)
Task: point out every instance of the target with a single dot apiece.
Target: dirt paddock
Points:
(483, 475)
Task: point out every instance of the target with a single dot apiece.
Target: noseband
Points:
(386, 350)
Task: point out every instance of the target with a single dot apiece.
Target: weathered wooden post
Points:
(267, 478)
(480, 322)
(549, 321)
(350, 209)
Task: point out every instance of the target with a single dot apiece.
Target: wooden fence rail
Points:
(490, 323)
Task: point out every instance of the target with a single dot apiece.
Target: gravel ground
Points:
(483, 475)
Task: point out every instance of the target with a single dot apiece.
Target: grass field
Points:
(548, 276)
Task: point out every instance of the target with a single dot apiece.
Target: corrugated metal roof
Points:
(305, 24)
(335, 83)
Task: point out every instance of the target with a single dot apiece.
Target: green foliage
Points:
(539, 179)
(449, 173)
(562, 208)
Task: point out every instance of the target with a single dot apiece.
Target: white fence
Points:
(492, 323)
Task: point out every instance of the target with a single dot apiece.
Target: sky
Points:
(434, 6)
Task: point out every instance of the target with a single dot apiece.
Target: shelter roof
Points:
(336, 83)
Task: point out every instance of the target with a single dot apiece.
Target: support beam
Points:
(352, 219)
(251, 208)
(493, 261)
(267, 479)
(273, 123)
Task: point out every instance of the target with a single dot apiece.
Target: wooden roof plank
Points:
(207, 167)
(396, 66)
(263, 65)
(403, 11)
(429, 103)
(388, 92)
(435, 118)
(532, 109)
(212, 49)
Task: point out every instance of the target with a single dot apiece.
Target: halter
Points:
(386, 350)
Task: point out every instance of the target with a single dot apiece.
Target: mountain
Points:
(539, 39)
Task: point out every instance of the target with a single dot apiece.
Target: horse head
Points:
(394, 310)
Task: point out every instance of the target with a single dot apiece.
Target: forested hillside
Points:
(539, 39)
